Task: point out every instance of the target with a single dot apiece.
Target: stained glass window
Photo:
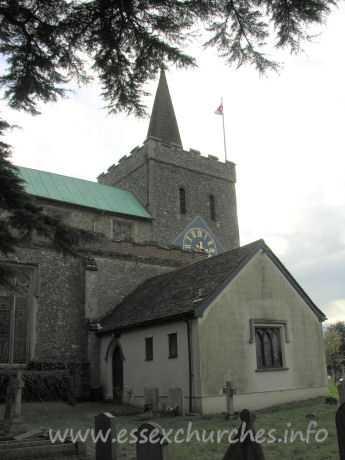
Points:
(14, 309)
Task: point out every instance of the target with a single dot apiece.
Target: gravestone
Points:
(156, 450)
(105, 450)
(229, 391)
(151, 399)
(341, 392)
(340, 424)
(14, 421)
(248, 449)
(175, 398)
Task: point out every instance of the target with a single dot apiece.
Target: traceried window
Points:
(15, 308)
(268, 348)
(182, 195)
(123, 230)
(172, 345)
(149, 348)
(212, 208)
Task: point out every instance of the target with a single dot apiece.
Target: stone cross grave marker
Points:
(340, 424)
(151, 399)
(175, 397)
(105, 450)
(248, 449)
(229, 391)
(14, 421)
(341, 392)
(155, 450)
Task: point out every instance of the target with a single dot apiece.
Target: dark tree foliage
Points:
(339, 328)
(48, 43)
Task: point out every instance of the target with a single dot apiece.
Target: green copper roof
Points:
(81, 192)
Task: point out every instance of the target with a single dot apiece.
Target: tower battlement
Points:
(171, 154)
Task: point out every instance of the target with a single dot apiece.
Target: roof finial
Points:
(163, 124)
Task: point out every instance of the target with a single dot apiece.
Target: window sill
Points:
(271, 369)
(172, 357)
(148, 359)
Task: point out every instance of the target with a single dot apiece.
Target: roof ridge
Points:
(72, 177)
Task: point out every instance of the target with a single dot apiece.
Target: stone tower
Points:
(178, 186)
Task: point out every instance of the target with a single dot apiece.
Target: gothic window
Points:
(268, 348)
(122, 230)
(182, 201)
(212, 208)
(172, 345)
(149, 348)
(15, 307)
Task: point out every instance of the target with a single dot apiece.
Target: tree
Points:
(334, 354)
(339, 328)
(47, 44)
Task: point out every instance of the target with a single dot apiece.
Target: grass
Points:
(57, 415)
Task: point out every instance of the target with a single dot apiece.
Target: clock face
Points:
(199, 238)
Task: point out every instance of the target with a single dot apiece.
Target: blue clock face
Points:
(197, 236)
(200, 239)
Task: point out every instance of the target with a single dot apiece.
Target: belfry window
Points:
(182, 201)
(15, 318)
(212, 208)
(268, 348)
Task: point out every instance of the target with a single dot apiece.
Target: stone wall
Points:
(60, 332)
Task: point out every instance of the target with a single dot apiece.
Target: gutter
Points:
(143, 324)
(190, 374)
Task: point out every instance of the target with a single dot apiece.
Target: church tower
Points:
(191, 198)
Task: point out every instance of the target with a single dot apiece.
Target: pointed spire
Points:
(163, 124)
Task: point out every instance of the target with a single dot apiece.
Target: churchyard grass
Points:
(81, 416)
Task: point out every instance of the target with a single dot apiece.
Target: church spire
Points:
(163, 124)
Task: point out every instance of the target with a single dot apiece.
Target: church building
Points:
(166, 297)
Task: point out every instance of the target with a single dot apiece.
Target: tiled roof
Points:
(189, 290)
(81, 192)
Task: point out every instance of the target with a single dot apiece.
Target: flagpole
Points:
(224, 130)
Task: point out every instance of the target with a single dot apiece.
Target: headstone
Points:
(248, 449)
(340, 424)
(105, 450)
(156, 450)
(229, 391)
(175, 399)
(341, 392)
(14, 421)
(151, 399)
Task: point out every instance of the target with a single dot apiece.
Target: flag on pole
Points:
(219, 111)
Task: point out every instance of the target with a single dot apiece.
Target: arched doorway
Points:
(117, 374)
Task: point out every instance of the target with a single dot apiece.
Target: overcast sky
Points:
(285, 132)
